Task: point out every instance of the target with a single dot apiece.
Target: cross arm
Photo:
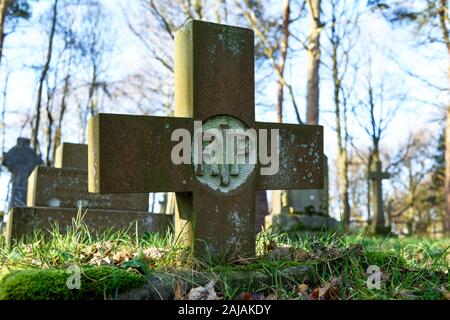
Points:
(373, 175)
(301, 158)
(132, 154)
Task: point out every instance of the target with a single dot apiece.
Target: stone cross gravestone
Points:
(20, 161)
(376, 175)
(215, 201)
(55, 194)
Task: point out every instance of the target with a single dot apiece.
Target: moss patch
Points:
(50, 284)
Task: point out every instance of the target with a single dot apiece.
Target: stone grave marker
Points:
(301, 212)
(215, 200)
(376, 175)
(56, 194)
(71, 155)
(20, 161)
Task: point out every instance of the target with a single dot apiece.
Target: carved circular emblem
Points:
(224, 153)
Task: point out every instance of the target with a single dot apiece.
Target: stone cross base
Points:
(25, 221)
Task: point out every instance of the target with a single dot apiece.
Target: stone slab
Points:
(68, 188)
(144, 143)
(25, 221)
(72, 155)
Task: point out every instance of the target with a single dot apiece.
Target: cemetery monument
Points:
(215, 199)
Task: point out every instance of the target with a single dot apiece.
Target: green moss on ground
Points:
(51, 284)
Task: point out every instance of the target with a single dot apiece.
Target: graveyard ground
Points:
(327, 267)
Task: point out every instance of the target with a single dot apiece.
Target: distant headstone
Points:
(68, 188)
(215, 201)
(376, 175)
(20, 161)
(55, 195)
(71, 155)
(312, 202)
(261, 209)
(301, 212)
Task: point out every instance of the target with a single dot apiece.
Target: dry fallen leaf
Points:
(180, 292)
(107, 246)
(302, 289)
(301, 255)
(329, 291)
(121, 257)
(315, 294)
(272, 296)
(270, 246)
(252, 296)
(153, 253)
(204, 293)
(244, 261)
(245, 296)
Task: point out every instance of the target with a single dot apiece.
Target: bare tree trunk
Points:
(3, 8)
(341, 128)
(369, 193)
(43, 76)
(49, 125)
(92, 104)
(374, 153)
(443, 17)
(62, 111)
(313, 52)
(198, 8)
(282, 59)
(2, 115)
(152, 199)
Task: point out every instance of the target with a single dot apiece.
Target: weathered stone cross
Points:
(377, 176)
(215, 204)
(20, 160)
